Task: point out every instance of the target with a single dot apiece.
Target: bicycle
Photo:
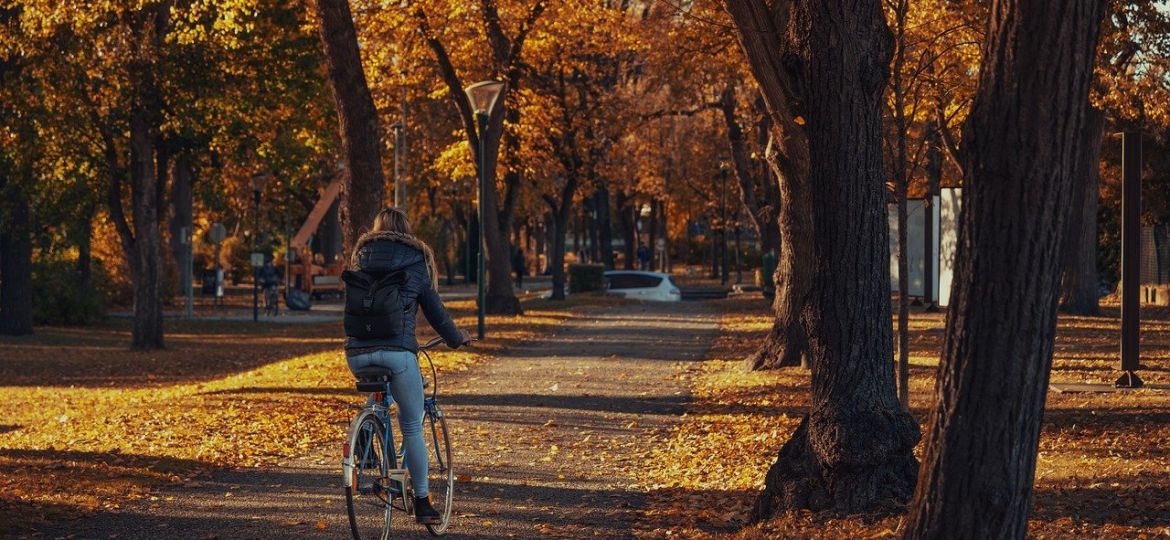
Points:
(374, 484)
(271, 301)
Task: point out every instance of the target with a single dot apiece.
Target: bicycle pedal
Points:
(399, 484)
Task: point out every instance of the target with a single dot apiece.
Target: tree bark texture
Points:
(761, 36)
(16, 301)
(142, 244)
(853, 452)
(146, 257)
(1079, 282)
(362, 190)
(1021, 147)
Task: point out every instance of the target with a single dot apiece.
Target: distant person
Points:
(218, 284)
(519, 267)
(644, 256)
(390, 247)
(270, 281)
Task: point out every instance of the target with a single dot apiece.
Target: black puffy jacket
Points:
(381, 252)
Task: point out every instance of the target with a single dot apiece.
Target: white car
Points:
(654, 286)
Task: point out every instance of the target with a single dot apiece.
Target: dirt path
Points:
(548, 440)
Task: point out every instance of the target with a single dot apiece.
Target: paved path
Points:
(548, 441)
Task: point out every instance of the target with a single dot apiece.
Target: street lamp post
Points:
(399, 188)
(483, 97)
(723, 220)
(258, 181)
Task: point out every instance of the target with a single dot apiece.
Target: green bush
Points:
(59, 299)
(586, 277)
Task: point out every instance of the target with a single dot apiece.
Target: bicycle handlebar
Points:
(439, 341)
(432, 344)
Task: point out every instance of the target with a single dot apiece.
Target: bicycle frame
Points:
(392, 479)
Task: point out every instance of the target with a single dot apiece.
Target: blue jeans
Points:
(406, 387)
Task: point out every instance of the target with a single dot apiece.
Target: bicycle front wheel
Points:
(440, 475)
(367, 489)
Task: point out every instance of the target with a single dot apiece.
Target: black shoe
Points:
(425, 513)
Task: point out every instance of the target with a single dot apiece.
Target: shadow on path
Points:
(548, 438)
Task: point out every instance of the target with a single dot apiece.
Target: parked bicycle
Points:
(376, 480)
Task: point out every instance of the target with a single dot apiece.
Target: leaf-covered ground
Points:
(1104, 465)
(88, 425)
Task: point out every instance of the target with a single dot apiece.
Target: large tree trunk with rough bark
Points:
(787, 344)
(1079, 282)
(761, 36)
(16, 302)
(362, 190)
(1022, 144)
(853, 452)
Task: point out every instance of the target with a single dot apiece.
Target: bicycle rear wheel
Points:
(441, 477)
(367, 493)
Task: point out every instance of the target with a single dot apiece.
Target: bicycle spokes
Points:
(367, 492)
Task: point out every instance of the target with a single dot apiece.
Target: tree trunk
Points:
(83, 237)
(1079, 285)
(16, 301)
(933, 169)
(787, 155)
(629, 230)
(853, 452)
(557, 255)
(786, 344)
(762, 212)
(1021, 152)
(182, 216)
(146, 257)
(501, 298)
(561, 210)
(362, 190)
(605, 226)
(902, 187)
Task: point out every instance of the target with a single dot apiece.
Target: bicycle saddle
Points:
(372, 378)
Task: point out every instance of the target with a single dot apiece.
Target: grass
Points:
(1103, 468)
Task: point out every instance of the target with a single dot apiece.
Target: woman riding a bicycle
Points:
(391, 248)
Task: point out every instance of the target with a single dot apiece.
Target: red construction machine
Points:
(307, 271)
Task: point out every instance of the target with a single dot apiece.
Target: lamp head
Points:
(259, 180)
(483, 96)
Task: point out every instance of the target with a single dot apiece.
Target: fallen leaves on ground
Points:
(1103, 469)
(242, 395)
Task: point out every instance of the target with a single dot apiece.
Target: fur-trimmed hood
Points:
(399, 238)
